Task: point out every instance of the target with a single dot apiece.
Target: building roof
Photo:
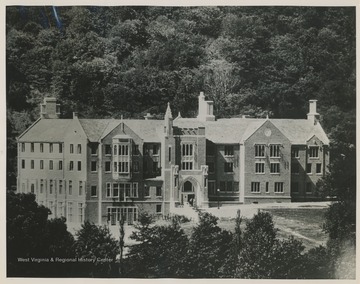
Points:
(46, 130)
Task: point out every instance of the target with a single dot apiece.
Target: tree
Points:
(160, 252)
(209, 248)
(96, 242)
(31, 235)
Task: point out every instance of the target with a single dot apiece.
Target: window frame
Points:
(255, 187)
(260, 149)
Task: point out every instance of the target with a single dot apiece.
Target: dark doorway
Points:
(188, 187)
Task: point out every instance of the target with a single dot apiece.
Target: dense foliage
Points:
(113, 61)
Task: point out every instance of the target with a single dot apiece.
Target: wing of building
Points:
(101, 169)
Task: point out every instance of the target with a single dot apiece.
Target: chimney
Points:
(206, 109)
(312, 116)
(49, 109)
(148, 116)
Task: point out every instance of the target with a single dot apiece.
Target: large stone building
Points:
(101, 169)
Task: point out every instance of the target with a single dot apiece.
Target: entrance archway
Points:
(188, 193)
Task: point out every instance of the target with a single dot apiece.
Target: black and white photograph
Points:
(180, 141)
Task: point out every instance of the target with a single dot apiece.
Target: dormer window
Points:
(314, 152)
(229, 150)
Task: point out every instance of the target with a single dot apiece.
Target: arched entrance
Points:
(188, 193)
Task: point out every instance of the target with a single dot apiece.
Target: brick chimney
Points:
(312, 116)
(49, 109)
(206, 109)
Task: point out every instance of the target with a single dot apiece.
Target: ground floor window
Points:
(255, 187)
(279, 187)
(158, 208)
(129, 215)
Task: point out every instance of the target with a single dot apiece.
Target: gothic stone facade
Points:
(101, 169)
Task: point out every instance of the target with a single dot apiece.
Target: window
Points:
(81, 212)
(308, 168)
(295, 187)
(295, 152)
(52, 208)
(41, 147)
(123, 150)
(135, 191)
(70, 187)
(79, 148)
(108, 189)
(267, 187)
(295, 169)
(229, 150)
(41, 186)
(187, 149)
(32, 147)
(155, 150)
(115, 167)
(80, 188)
(228, 167)
(60, 148)
(32, 164)
(155, 167)
(115, 150)
(23, 164)
(158, 191)
(51, 148)
(318, 168)
(169, 153)
(255, 187)
(107, 166)
(136, 167)
(32, 188)
(94, 148)
(274, 168)
(115, 214)
(259, 150)
(147, 191)
(260, 167)
(275, 151)
(158, 208)
(93, 190)
(308, 187)
(187, 166)
(60, 186)
(211, 187)
(71, 148)
(107, 149)
(93, 166)
(115, 190)
(136, 150)
(60, 165)
(51, 164)
(51, 186)
(71, 166)
(123, 167)
(41, 164)
(314, 152)
(211, 166)
(279, 187)
(22, 147)
(70, 212)
(79, 166)
(61, 209)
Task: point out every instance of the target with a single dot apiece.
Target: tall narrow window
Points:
(41, 147)
(260, 151)
(41, 164)
(81, 212)
(70, 187)
(79, 148)
(108, 189)
(146, 191)
(60, 165)
(60, 148)
(51, 164)
(107, 166)
(23, 164)
(80, 188)
(51, 186)
(71, 148)
(295, 152)
(60, 186)
(71, 166)
(70, 212)
(79, 166)
(93, 191)
(32, 147)
(136, 167)
(93, 166)
(275, 151)
(22, 147)
(107, 149)
(318, 168)
(158, 191)
(308, 168)
(51, 147)
(115, 190)
(169, 154)
(255, 187)
(41, 186)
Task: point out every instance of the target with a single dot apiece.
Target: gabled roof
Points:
(46, 130)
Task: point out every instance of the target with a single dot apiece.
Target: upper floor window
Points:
(60, 148)
(136, 167)
(71, 166)
(155, 150)
(79, 148)
(41, 147)
(187, 165)
(107, 149)
(23, 164)
(318, 168)
(123, 150)
(41, 164)
(60, 165)
(229, 150)
(107, 166)
(123, 167)
(308, 168)
(51, 165)
(32, 147)
(275, 151)
(79, 166)
(94, 148)
(158, 191)
(22, 147)
(93, 166)
(71, 148)
(187, 149)
(228, 167)
(295, 152)
(274, 168)
(135, 149)
(259, 150)
(32, 164)
(93, 190)
(314, 152)
(260, 168)
(51, 147)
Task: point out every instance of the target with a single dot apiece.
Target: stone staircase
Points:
(187, 211)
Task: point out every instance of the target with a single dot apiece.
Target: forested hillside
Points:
(113, 61)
